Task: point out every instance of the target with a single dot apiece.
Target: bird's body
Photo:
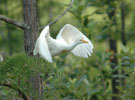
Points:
(55, 46)
(68, 39)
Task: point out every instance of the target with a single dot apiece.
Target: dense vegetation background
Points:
(107, 75)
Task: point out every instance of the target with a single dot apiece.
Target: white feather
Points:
(41, 46)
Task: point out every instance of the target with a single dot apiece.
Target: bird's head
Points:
(81, 40)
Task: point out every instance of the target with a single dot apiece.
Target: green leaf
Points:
(93, 91)
(80, 81)
(124, 48)
(119, 75)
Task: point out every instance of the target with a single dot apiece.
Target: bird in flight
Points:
(68, 39)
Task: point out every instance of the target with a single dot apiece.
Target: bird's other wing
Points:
(41, 46)
(69, 34)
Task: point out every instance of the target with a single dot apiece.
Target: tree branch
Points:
(19, 24)
(23, 94)
(57, 19)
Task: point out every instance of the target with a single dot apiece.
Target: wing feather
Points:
(41, 46)
(69, 34)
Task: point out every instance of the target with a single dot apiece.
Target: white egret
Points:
(68, 39)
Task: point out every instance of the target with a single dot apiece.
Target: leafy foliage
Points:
(19, 69)
(70, 77)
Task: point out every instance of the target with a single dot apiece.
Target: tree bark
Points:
(30, 36)
(14, 22)
(8, 32)
(114, 63)
(113, 47)
(123, 37)
(30, 18)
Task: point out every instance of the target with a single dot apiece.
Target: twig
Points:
(19, 24)
(57, 19)
(23, 94)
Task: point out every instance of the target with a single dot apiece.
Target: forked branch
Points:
(19, 24)
(57, 19)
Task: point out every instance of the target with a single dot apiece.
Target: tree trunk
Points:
(30, 35)
(8, 31)
(30, 18)
(123, 38)
(114, 63)
(113, 47)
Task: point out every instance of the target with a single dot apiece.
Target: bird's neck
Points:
(73, 45)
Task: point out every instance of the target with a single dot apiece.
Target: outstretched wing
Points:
(69, 34)
(41, 46)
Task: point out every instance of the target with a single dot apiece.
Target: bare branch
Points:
(56, 20)
(23, 94)
(19, 24)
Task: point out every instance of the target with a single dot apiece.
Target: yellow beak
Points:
(84, 41)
